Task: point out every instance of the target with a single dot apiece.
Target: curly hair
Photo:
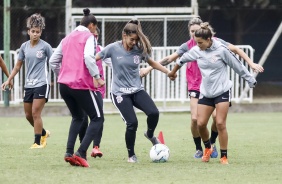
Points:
(35, 20)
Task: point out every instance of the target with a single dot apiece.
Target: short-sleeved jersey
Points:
(125, 68)
(35, 60)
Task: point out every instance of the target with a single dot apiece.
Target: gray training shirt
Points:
(35, 59)
(184, 47)
(213, 66)
(125, 67)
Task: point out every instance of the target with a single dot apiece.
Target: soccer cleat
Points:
(154, 140)
(43, 140)
(207, 154)
(214, 152)
(198, 154)
(132, 159)
(96, 152)
(81, 161)
(224, 160)
(70, 159)
(36, 146)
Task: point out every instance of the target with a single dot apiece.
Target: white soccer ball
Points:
(159, 153)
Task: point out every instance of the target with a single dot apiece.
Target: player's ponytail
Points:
(134, 27)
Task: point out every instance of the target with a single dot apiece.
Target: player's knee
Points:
(132, 126)
(194, 121)
(154, 114)
(220, 126)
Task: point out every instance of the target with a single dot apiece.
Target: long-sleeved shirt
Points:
(89, 55)
(74, 59)
(213, 66)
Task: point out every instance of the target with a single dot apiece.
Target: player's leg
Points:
(77, 118)
(125, 106)
(92, 104)
(40, 97)
(214, 135)
(97, 139)
(145, 103)
(223, 102)
(83, 127)
(204, 111)
(194, 97)
(222, 110)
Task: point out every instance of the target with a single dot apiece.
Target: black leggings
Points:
(78, 102)
(142, 101)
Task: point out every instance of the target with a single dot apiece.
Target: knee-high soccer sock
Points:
(130, 137)
(223, 153)
(152, 122)
(213, 136)
(197, 141)
(37, 138)
(207, 144)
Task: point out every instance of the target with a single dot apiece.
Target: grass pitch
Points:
(254, 153)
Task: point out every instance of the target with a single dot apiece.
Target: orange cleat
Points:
(224, 160)
(207, 154)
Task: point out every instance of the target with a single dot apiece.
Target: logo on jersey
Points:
(136, 59)
(214, 59)
(39, 53)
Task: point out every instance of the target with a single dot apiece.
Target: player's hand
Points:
(257, 68)
(8, 84)
(98, 82)
(172, 76)
(143, 72)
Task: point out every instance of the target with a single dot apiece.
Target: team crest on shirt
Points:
(39, 53)
(214, 59)
(136, 59)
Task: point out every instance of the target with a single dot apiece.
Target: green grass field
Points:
(255, 147)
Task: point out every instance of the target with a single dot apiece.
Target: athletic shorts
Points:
(225, 97)
(36, 93)
(194, 94)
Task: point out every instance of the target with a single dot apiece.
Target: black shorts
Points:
(225, 97)
(36, 93)
(194, 93)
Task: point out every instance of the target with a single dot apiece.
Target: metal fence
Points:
(159, 87)
(162, 30)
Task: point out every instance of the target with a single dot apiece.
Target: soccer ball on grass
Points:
(159, 153)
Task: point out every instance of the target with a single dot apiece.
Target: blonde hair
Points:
(134, 27)
(35, 20)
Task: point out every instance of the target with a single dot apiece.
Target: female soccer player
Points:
(35, 53)
(194, 79)
(212, 58)
(78, 75)
(127, 91)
